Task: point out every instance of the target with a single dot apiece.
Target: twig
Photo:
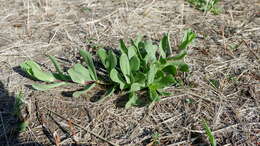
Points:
(96, 135)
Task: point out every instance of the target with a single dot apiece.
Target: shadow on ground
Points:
(10, 123)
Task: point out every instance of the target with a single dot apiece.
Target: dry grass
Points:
(32, 28)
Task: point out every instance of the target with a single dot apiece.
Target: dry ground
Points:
(227, 49)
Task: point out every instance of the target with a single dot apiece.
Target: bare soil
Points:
(227, 49)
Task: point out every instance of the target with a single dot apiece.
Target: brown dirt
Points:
(226, 49)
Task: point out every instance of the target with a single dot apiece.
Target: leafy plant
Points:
(19, 101)
(141, 67)
(206, 5)
(209, 133)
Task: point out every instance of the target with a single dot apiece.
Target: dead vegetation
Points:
(226, 50)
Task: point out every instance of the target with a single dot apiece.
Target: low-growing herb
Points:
(141, 66)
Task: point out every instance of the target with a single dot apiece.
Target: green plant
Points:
(142, 67)
(19, 101)
(206, 5)
(156, 139)
(209, 133)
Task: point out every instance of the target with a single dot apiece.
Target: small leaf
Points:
(132, 101)
(131, 51)
(165, 46)
(123, 47)
(151, 74)
(135, 87)
(125, 67)
(112, 60)
(103, 57)
(88, 59)
(188, 37)
(151, 51)
(214, 83)
(153, 95)
(209, 133)
(163, 82)
(179, 56)
(171, 69)
(79, 74)
(43, 87)
(86, 88)
(115, 77)
(134, 63)
(182, 66)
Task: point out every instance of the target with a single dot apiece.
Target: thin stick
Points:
(96, 135)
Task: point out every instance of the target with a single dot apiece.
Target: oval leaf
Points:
(103, 56)
(79, 74)
(115, 77)
(125, 67)
(171, 69)
(134, 63)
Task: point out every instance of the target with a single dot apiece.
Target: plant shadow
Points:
(10, 122)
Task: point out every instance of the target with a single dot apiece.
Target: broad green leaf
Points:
(188, 37)
(123, 47)
(43, 76)
(141, 49)
(112, 60)
(34, 70)
(88, 59)
(153, 95)
(140, 78)
(159, 74)
(116, 77)
(103, 57)
(135, 87)
(131, 51)
(43, 87)
(151, 51)
(79, 74)
(183, 67)
(86, 89)
(125, 67)
(135, 44)
(179, 56)
(134, 63)
(165, 46)
(151, 74)
(209, 133)
(163, 82)
(171, 69)
(132, 101)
